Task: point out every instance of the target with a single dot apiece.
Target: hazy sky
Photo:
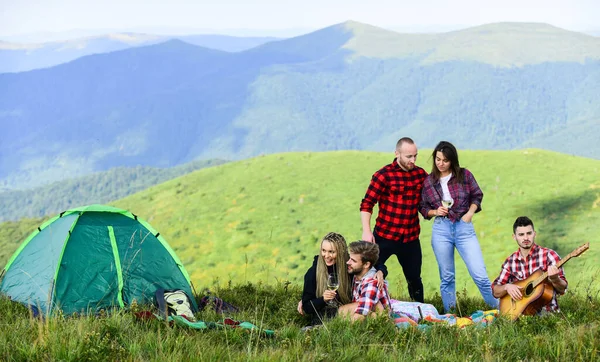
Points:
(34, 16)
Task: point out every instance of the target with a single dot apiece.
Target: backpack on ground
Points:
(220, 306)
(174, 302)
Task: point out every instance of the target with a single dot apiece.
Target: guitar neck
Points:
(558, 265)
(564, 260)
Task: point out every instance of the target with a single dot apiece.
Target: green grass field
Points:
(573, 335)
(261, 219)
(248, 231)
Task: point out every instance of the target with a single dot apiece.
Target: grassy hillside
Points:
(12, 233)
(261, 219)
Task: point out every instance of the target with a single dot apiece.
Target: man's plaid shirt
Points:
(366, 293)
(398, 193)
(517, 268)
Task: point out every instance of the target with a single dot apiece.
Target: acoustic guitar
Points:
(536, 289)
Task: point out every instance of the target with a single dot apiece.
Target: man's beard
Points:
(526, 247)
(405, 166)
(354, 272)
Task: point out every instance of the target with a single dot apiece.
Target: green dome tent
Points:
(92, 258)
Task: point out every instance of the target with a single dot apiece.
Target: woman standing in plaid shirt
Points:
(452, 196)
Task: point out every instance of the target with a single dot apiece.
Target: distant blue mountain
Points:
(23, 57)
(225, 42)
(348, 86)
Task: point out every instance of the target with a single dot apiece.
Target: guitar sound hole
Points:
(528, 289)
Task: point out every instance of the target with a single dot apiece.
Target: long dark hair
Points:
(449, 151)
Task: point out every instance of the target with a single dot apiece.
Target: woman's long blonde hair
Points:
(342, 256)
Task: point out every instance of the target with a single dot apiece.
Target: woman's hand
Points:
(300, 310)
(441, 211)
(467, 217)
(328, 295)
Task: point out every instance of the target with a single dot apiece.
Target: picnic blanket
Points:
(423, 316)
(227, 322)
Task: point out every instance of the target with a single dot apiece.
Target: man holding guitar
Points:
(530, 260)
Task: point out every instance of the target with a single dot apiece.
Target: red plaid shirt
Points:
(398, 193)
(517, 268)
(366, 293)
(464, 194)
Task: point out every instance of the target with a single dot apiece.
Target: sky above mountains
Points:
(282, 17)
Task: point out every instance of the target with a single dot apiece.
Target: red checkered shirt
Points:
(398, 193)
(517, 268)
(366, 293)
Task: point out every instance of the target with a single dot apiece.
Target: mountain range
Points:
(20, 57)
(348, 86)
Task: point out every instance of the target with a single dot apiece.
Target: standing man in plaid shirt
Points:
(525, 261)
(367, 297)
(397, 189)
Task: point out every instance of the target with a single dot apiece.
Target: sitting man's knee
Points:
(347, 309)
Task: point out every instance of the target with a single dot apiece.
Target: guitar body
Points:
(534, 297)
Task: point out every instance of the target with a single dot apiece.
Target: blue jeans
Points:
(447, 235)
